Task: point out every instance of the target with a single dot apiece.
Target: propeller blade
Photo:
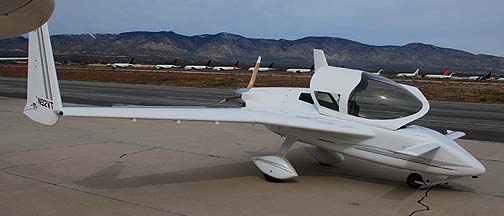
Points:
(254, 74)
(238, 92)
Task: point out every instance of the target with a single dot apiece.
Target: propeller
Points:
(238, 92)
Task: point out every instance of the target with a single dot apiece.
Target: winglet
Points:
(319, 59)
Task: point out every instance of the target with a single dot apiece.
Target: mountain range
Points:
(225, 48)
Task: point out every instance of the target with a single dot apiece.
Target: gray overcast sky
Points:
(474, 26)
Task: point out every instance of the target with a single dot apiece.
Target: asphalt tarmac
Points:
(479, 121)
(86, 166)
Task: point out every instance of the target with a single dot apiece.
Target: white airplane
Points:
(199, 67)
(227, 68)
(122, 65)
(14, 59)
(301, 70)
(167, 66)
(20, 17)
(487, 76)
(445, 75)
(343, 112)
(409, 75)
(264, 69)
(378, 73)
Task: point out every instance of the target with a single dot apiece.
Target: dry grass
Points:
(486, 92)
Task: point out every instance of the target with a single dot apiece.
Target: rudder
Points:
(43, 101)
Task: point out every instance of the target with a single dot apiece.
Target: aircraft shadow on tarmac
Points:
(351, 168)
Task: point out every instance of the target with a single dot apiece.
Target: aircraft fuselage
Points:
(449, 159)
(196, 67)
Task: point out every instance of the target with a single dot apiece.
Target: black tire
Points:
(324, 164)
(412, 180)
(271, 179)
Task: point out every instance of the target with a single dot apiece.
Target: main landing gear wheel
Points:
(271, 178)
(415, 180)
(276, 168)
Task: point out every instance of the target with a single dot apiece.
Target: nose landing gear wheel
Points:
(415, 180)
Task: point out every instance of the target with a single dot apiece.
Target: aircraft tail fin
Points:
(208, 63)
(379, 72)
(175, 62)
(319, 59)
(43, 103)
(236, 64)
(488, 75)
(132, 60)
(417, 71)
(446, 73)
(271, 65)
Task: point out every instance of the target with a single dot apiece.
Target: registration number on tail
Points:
(45, 103)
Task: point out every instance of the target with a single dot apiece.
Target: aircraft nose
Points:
(478, 168)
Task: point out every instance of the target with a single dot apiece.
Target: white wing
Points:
(220, 115)
(44, 103)
(454, 134)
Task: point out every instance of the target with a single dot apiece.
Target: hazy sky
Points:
(474, 26)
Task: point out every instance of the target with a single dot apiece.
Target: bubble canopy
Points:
(366, 98)
(376, 97)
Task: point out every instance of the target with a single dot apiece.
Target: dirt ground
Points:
(440, 90)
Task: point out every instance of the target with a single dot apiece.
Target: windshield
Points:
(376, 97)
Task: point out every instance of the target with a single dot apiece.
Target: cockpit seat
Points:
(353, 108)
